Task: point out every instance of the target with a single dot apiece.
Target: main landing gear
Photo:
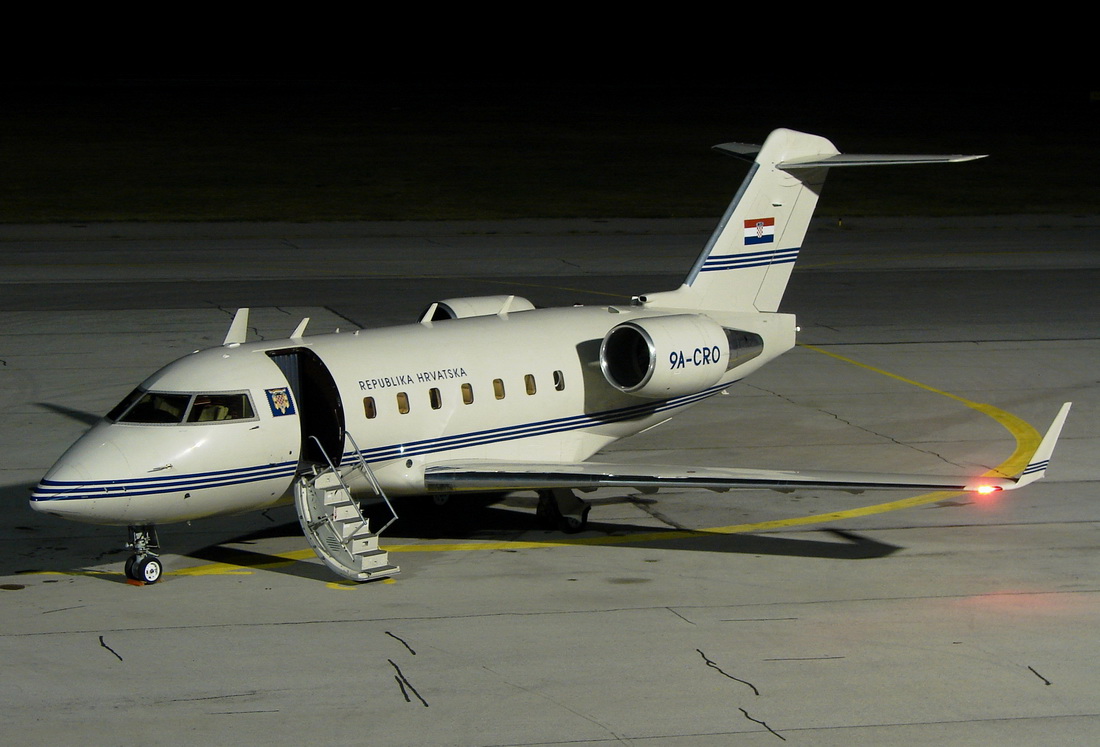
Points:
(559, 509)
(144, 565)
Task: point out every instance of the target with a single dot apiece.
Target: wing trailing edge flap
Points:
(488, 475)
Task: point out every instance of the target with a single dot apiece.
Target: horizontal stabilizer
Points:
(749, 152)
(855, 159)
(746, 264)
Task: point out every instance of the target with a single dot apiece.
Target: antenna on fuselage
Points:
(506, 307)
(300, 329)
(238, 328)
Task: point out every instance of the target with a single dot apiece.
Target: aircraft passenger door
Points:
(320, 412)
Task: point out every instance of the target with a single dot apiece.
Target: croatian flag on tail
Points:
(759, 231)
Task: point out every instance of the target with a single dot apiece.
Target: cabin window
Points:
(369, 408)
(435, 398)
(498, 388)
(467, 394)
(529, 383)
(212, 408)
(403, 403)
(559, 381)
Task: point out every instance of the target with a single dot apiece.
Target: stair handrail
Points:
(339, 479)
(331, 466)
(375, 485)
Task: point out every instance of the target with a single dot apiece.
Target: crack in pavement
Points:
(762, 723)
(104, 645)
(1044, 679)
(849, 423)
(402, 641)
(404, 683)
(755, 691)
(714, 666)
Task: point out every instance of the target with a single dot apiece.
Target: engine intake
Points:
(665, 356)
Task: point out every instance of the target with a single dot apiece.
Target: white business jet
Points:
(481, 394)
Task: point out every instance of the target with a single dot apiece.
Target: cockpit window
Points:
(164, 408)
(209, 408)
(157, 407)
(117, 411)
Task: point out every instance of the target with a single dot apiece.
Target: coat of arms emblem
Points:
(280, 401)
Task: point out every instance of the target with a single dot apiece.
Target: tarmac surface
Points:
(680, 618)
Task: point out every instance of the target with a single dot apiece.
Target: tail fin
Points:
(747, 262)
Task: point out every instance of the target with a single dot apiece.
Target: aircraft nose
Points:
(66, 477)
(86, 470)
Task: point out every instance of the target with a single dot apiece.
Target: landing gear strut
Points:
(560, 509)
(143, 565)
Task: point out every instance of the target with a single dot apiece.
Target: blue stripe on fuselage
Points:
(52, 490)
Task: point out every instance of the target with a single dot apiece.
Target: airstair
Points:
(333, 522)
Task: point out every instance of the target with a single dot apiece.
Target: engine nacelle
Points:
(665, 356)
(461, 308)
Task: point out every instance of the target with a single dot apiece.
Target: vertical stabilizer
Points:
(747, 262)
(749, 259)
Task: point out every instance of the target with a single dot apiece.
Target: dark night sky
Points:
(669, 104)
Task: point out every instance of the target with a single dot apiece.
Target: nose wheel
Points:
(144, 565)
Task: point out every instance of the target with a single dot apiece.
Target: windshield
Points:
(169, 408)
(209, 408)
(154, 407)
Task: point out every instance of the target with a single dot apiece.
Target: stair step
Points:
(362, 546)
(363, 532)
(335, 527)
(336, 497)
(346, 513)
(327, 480)
(381, 571)
(374, 554)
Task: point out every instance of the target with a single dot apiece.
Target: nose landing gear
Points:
(143, 565)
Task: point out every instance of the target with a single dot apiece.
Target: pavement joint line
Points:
(1027, 440)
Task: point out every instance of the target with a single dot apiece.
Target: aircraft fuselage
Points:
(513, 386)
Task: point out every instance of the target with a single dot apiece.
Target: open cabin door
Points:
(320, 411)
(331, 519)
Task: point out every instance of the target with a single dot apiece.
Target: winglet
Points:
(238, 328)
(1037, 467)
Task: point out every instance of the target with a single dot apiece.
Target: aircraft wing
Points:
(489, 475)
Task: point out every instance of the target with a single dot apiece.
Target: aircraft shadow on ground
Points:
(483, 522)
(478, 517)
(473, 519)
(81, 416)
